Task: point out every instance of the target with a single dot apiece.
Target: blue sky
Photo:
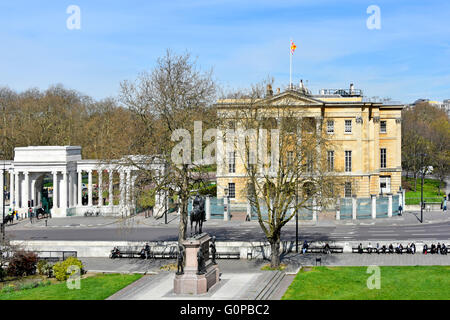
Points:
(243, 41)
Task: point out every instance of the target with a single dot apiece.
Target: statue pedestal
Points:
(190, 282)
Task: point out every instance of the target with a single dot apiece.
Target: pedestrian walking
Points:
(444, 204)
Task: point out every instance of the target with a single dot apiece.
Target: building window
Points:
(231, 162)
(348, 190)
(251, 161)
(348, 126)
(330, 160)
(348, 161)
(231, 190)
(383, 158)
(330, 126)
(382, 126)
(290, 158)
(309, 162)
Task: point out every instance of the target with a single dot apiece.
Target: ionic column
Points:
(2, 193)
(80, 188)
(16, 190)
(55, 189)
(122, 190)
(11, 190)
(63, 202)
(100, 187)
(90, 188)
(33, 193)
(128, 192)
(110, 186)
(70, 187)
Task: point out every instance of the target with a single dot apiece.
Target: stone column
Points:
(226, 211)
(338, 212)
(249, 210)
(100, 187)
(80, 187)
(33, 193)
(208, 207)
(400, 200)
(26, 190)
(122, 190)
(55, 189)
(389, 205)
(2, 193)
(11, 189)
(374, 205)
(318, 134)
(110, 186)
(354, 207)
(90, 188)
(70, 187)
(16, 190)
(63, 202)
(128, 191)
(314, 210)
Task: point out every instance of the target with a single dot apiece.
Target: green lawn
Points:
(98, 287)
(430, 191)
(350, 283)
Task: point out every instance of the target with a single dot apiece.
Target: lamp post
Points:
(296, 217)
(225, 204)
(422, 156)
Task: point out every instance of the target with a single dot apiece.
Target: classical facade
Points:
(65, 167)
(368, 136)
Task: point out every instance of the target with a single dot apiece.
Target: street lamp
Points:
(225, 207)
(296, 216)
(422, 156)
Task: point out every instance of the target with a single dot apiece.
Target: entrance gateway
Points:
(65, 167)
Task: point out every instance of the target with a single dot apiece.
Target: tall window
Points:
(348, 189)
(231, 162)
(383, 158)
(290, 158)
(231, 190)
(330, 126)
(330, 159)
(382, 126)
(348, 126)
(251, 160)
(309, 162)
(348, 161)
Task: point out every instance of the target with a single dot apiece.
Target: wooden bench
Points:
(228, 255)
(321, 250)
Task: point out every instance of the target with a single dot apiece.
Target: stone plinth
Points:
(190, 282)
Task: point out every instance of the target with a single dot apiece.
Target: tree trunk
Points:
(182, 227)
(275, 250)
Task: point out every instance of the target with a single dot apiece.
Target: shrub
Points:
(41, 267)
(8, 289)
(2, 273)
(22, 263)
(60, 269)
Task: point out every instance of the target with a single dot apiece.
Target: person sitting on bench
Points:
(369, 248)
(408, 248)
(378, 248)
(433, 248)
(383, 248)
(425, 249)
(391, 248)
(400, 248)
(413, 248)
(444, 249)
(438, 248)
(326, 248)
(305, 246)
(360, 248)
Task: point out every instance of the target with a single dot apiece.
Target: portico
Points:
(65, 166)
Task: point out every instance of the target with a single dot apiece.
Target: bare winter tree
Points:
(167, 101)
(294, 176)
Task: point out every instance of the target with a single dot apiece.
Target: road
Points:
(427, 231)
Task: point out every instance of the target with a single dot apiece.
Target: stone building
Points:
(368, 135)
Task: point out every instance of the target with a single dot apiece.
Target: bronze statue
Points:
(200, 262)
(180, 259)
(213, 249)
(198, 214)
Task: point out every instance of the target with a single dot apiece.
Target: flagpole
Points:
(290, 65)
